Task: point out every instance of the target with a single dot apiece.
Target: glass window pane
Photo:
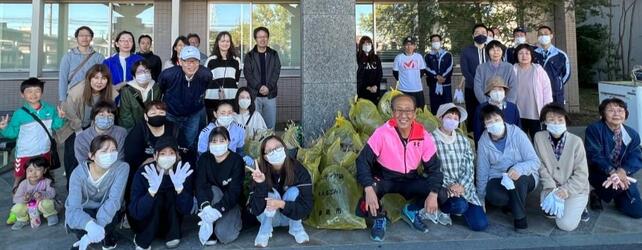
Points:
(233, 18)
(135, 18)
(15, 37)
(65, 19)
(284, 22)
(391, 27)
(364, 20)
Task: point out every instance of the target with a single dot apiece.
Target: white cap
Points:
(190, 52)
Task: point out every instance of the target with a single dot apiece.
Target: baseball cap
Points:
(409, 39)
(190, 52)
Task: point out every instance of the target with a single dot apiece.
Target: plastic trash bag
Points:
(393, 204)
(365, 116)
(336, 155)
(252, 145)
(335, 199)
(426, 118)
(384, 103)
(343, 130)
(311, 158)
(292, 136)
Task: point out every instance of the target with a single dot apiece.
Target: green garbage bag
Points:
(427, 119)
(393, 204)
(384, 103)
(365, 116)
(311, 159)
(335, 199)
(292, 136)
(344, 130)
(252, 145)
(335, 155)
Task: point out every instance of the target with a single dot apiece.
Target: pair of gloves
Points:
(95, 234)
(553, 204)
(439, 89)
(459, 96)
(208, 216)
(155, 178)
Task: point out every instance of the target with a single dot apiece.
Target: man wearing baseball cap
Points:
(408, 68)
(183, 91)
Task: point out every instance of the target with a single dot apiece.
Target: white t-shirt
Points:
(123, 64)
(409, 68)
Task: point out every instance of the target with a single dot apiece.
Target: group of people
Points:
(146, 145)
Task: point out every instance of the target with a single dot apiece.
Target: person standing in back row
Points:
(471, 57)
(75, 64)
(408, 68)
(155, 63)
(262, 68)
(554, 61)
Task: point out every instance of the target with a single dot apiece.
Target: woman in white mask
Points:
(507, 166)
(496, 91)
(136, 94)
(455, 151)
(96, 188)
(161, 195)
(369, 73)
(564, 171)
(281, 193)
(224, 117)
(246, 114)
(219, 188)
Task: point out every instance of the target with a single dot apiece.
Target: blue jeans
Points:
(267, 108)
(473, 214)
(278, 219)
(188, 128)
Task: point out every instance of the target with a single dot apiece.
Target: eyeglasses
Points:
(404, 111)
(274, 149)
(143, 71)
(616, 111)
(125, 41)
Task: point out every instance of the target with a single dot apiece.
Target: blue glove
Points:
(507, 182)
(248, 160)
(548, 204)
(559, 206)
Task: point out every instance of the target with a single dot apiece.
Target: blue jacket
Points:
(511, 116)
(116, 70)
(599, 143)
(469, 61)
(142, 203)
(558, 68)
(440, 63)
(183, 98)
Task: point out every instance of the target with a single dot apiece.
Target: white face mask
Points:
(105, 160)
(497, 95)
(277, 156)
(496, 128)
(489, 39)
(556, 129)
(218, 149)
(366, 47)
(166, 161)
(244, 103)
(224, 120)
(436, 45)
(544, 40)
(143, 78)
(520, 40)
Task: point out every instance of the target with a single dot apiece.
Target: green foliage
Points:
(592, 43)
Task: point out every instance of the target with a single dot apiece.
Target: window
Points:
(282, 19)
(15, 37)
(65, 18)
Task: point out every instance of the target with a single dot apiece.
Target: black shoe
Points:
(595, 201)
(521, 224)
(585, 215)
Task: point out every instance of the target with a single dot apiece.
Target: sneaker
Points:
(412, 218)
(585, 215)
(11, 219)
(19, 225)
(109, 243)
(595, 201)
(378, 231)
(521, 224)
(428, 216)
(211, 242)
(444, 219)
(549, 216)
(125, 223)
(139, 247)
(105, 247)
(262, 239)
(296, 229)
(173, 243)
(52, 220)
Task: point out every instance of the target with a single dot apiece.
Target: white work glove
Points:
(548, 204)
(559, 206)
(83, 243)
(439, 89)
(205, 231)
(178, 178)
(507, 182)
(95, 233)
(209, 214)
(153, 177)
(459, 96)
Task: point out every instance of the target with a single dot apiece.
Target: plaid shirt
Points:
(557, 149)
(457, 164)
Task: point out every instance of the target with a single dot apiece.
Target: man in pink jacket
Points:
(390, 163)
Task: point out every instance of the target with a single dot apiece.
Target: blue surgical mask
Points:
(106, 160)
(218, 149)
(224, 120)
(496, 128)
(277, 156)
(104, 122)
(556, 129)
(450, 124)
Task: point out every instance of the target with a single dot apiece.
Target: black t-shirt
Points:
(263, 73)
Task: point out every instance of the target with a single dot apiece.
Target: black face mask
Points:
(480, 39)
(156, 121)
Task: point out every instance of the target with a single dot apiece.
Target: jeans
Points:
(267, 108)
(498, 195)
(270, 220)
(474, 215)
(188, 128)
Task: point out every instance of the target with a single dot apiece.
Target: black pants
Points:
(498, 195)
(110, 235)
(410, 188)
(419, 98)
(70, 160)
(531, 127)
(471, 105)
(164, 221)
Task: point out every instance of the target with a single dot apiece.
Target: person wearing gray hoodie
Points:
(94, 205)
(507, 166)
(75, 63)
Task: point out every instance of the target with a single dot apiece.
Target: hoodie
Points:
(69, 62)
(107, 197)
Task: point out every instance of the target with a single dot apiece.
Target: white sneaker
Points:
(261, 240)
(296, 229)
(210, 242)
(140, 248)
(172, 243)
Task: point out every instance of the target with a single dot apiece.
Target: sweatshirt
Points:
(227, 175)
(26, 188)
(70, 61)
(486, 71)
(84, 138)
(107, 197)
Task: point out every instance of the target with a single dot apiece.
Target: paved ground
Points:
(606, 230)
